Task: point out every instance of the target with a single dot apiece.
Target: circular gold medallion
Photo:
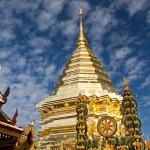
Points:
(106, 126)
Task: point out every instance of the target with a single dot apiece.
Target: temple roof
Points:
(8, 128)
(83, 67)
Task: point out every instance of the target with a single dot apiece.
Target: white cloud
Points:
(146, 82)
(122, 52)
(138, 68)
(54, 6)
(21, 62)
(38, 51)
(50, 70)
(117, 60)
(134, 66)
(6, 35)
(48, 15)
(146, 101)
(5, 53)
(9, 7)
(130, 63)
(68, 28)
(45, 20)
(8, 21)
(133, 6)
(102, 20)
(132, 77)
(136, 5)
(39, 42)
(123, 38)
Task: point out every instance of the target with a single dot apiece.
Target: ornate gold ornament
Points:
(106, 126)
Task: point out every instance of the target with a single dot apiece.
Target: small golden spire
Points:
(126, 87)
(125, 81)
(81, 42)
(81, 12)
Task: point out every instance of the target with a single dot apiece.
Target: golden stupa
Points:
(83, 75)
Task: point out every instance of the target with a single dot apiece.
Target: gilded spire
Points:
(126, 87)
(125, 81)
(81, 42)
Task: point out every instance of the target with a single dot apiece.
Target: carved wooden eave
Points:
(10, 130)
(9, 135)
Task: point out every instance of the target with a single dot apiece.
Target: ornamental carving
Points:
(106, 126)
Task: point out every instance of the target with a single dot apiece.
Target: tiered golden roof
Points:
(83, 67)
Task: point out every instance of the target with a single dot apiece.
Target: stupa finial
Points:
(125, 81)
(126, 86)
(81, 42)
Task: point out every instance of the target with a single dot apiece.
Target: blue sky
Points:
(37, 37)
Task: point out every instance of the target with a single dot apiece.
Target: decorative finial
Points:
(125, 81)
(81, 42)
(126, 87)
(14, 119)
(81, 11)
(32, 123)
